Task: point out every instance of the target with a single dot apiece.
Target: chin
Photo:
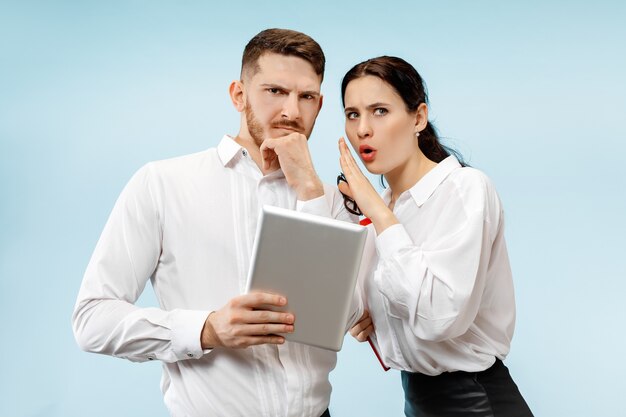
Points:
(374, 168)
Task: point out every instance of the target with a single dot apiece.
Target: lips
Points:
(289, 128)
(367, 153)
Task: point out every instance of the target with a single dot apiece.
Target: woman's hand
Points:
(361, 190)
(363, 328)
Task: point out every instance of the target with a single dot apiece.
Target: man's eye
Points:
(352, 115)
(308, 97)
(273, 90)
(380, 111)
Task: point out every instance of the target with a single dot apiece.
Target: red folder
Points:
(385, 367)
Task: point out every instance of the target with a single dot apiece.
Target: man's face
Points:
(282, 97)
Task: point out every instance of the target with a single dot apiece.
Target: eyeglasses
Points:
(348, 202)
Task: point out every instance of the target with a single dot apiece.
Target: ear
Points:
(421, 117)
(320, 104)
(237, 96)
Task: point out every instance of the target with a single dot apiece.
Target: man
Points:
(189, 223)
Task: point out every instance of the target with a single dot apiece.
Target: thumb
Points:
(345, 189)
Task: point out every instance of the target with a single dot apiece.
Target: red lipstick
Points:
(367, 153)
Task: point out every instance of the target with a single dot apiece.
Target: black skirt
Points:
(490, 393)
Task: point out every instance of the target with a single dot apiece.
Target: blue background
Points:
(531, 93)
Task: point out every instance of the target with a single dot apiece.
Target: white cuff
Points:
(391, 240)
(186, 331)
(317, 206)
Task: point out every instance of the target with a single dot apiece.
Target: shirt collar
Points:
(427, 185)
(227, 149)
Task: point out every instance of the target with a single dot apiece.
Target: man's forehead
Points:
(286, 69)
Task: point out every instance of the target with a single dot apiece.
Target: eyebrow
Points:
(368, 107)
(280, 87)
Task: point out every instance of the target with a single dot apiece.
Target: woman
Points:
(440, 294)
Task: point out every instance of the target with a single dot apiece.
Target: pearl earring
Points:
(417, 135)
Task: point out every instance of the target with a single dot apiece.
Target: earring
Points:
(417, 135)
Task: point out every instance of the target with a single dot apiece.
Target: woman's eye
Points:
(352, 115)
(380, 111)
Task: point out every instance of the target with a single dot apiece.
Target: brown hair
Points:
(285, 42)
(407, 82)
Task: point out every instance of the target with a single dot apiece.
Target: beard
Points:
(256, 128)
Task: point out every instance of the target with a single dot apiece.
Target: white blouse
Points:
(438, 285)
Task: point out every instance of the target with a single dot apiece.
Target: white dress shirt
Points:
(188, 225)
(439, 286)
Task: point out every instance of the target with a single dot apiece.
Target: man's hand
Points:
(291, 153)
(363, 328)
(245, 321)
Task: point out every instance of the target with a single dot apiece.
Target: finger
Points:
(366, 322)
(342, 164)
(259, 340)
(354, 331)
(268, 156)
(346, 167)
(361, 326)
(357, 329)
(343, 148)
(269, 143)
(267, 316)
(362, 337)
(345, 189)
(348, 161)
(266, 329)
(340, 143)
(260, 299)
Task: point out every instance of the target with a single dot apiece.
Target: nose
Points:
(364, 129)
(291, 107)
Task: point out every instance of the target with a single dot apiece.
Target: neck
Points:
(244, 139)
(407, 175)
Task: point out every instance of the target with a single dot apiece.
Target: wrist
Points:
(310, 189)
(208, 337)
(383, 219)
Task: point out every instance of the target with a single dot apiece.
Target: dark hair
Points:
(407, 82)
(284, 42)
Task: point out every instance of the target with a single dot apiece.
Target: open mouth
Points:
(367, 153)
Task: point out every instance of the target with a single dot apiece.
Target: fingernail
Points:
(283, 300)
(289, 317)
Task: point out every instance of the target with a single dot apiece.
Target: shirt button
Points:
(190, 355)
(150, 357)
(244, 152)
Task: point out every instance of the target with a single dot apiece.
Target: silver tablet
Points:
(313, 261)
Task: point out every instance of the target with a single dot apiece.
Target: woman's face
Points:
(378, 125)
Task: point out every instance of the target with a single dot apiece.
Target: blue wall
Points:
(532, 94)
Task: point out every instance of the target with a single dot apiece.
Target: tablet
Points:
(313, 261)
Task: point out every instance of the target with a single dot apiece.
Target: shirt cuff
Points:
(317, 206)
(186, 330)
(391, 240)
